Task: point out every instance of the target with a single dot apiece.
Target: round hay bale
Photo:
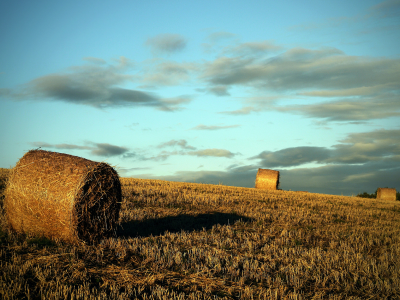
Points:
(386, 194)
(267, 179)
(63, 197)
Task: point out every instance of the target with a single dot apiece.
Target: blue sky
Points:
(208, 91)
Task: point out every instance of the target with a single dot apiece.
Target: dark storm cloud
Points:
(167, 43)
(98, 149)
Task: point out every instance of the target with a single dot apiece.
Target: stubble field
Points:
(197, 241)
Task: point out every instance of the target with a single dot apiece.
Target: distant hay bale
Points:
(386, 194)
(267, 179)
(63, 197)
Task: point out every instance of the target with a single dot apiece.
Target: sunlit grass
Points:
(198, 241)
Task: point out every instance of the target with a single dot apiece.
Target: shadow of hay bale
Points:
(185, 222)
(62, 197)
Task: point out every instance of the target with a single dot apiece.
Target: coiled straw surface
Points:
(62, 197)
(386, 194)
(267, 179)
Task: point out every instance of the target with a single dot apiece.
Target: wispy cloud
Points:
(215, 39)
(359, 88)
(174, 104)
(95, 60)
(167, 43)
(160, 72)
(219, 90)
(163, 155)
(181, 143)
(97, 85)
(301, 69)
(291, 157)
(105, 149)
(352, 88)
(357, 148)
(213, 127)
(60, 146)
(98, 149)
(212, 152)
(379, 107)
(242, 111)
(256, 48)
(390, 8)
(369, 20)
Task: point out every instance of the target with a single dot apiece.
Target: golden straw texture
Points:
(386, 194)
(267, 179)
(62, 197)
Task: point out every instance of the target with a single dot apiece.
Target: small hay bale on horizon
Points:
(267, 179)
(386, 194)
(62, 197)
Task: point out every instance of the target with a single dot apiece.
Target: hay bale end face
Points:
(386, 194)
(63, 197)
(267, 179)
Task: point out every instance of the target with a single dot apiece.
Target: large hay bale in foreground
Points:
(267, 179)
(63, 197)
(386, 194)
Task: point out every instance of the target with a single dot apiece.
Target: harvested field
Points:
(63, 197)
(197, 241)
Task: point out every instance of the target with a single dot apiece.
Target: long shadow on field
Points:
(176, 224)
